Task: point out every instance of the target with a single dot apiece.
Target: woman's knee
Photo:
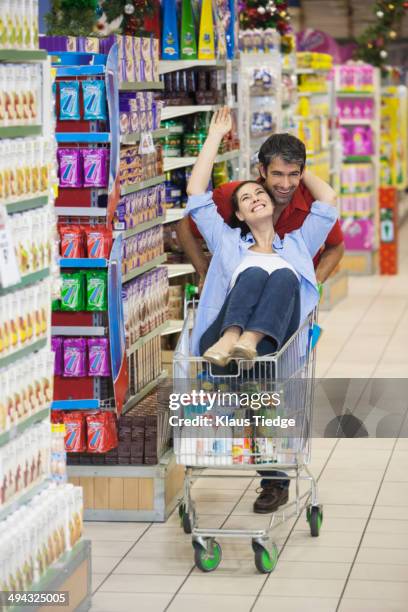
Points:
(285, 277)
(253, 275)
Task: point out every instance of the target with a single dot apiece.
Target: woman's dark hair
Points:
(234, 221)
(289, 148)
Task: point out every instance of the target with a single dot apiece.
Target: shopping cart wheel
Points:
(314, 516)
(207, 559)
(265, 560)
(185, 519)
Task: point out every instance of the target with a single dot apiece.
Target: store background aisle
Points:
(359, 562)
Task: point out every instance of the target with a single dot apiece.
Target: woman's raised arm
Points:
(220, 126)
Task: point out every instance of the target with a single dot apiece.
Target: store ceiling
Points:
(343, 19)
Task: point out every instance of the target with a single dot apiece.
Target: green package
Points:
(72, 292)
(55, 305)
(96, 290)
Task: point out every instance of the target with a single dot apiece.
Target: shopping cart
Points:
(287, 375)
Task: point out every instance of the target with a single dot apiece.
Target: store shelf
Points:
(20, 427)
(171, 112)
(156, 180)
(21, 499)
(78, 330)
(75, 404)
(358, 94)
(172, 163)
(20, 131)
(173, 65)
(227, 156)
(175, 270)
(23, 205)
(82, 262)
(28, 279)
(173, 214)
(355, 121)
(83, 137)
(139, 228)
(142, 86)
(353, 159)
(312, 70)
(312, 94)
(79, 211)
(135, 399)
(75, 71)
(119, 471)
(174, 327)
(144, 339)
(130, 139)
(142, 269)
(22, 55)
(23, 352)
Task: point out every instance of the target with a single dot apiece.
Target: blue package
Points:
(69, 100)
(94, 100)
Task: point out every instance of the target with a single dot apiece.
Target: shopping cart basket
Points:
(235, 440)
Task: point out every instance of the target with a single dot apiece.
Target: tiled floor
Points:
(360, 561)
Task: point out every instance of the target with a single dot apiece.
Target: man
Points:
(282, 160)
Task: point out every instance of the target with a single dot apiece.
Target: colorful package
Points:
(69, 163)
(96, 290)
(72, 292)
(69, 100)
(94, 100)
(56, 347)
(95, 167)
(98, 241)
(102, 432)
(71, 241)
(74, 357)
(75, 434)
(98, 353)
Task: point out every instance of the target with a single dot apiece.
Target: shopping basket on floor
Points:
(233, 439)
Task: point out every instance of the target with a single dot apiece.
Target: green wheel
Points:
(265, 561)
(314, 516)
(207, 560)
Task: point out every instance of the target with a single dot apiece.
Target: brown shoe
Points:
(270, 498)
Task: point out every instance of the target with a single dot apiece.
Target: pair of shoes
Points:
(270, 498)
(217, 358)
(243, 351)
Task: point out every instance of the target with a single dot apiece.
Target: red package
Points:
(75, 435)
(71, 241)
(98, 241)
(102, 432)
(57, 416)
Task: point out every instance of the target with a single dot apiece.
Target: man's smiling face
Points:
(281, 180)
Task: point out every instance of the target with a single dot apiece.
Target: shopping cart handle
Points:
(190, 291)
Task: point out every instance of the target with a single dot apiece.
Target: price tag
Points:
(9, 273)
(146, 143)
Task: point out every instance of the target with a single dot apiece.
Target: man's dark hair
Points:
(289, 148)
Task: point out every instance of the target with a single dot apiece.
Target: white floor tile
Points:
(381, 572)
(309, 587)
(217, 584)
(205, 603)
(142, 583)
(384, 591)
(295, 604)
(371, 605)
(112, 602)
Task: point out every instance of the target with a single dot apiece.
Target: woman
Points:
(259, 288)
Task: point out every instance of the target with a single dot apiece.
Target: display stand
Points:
(72, 570)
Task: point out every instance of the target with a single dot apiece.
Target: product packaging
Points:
(206, 44)
(98, 241)
(98, 357)
(170, 41)
(70, 174)
(69, 100)
(56, 347)
(72, 292)
(71, 241)
(94, 94)
(96, 291)
(74, 357)
(75, 434)
(95, 169)
(102, 432)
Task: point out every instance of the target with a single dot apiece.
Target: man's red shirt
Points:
(291, 218)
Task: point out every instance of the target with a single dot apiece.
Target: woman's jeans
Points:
(262, 302)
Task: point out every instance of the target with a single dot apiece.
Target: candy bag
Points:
(98, 241)
(71, 241)
(95, 167)
(56, 347)
(94, 100)
(98, 352)
(75, 434)
(69, 163)
(102, 432)
(72, 292)
(96, 290)
(74, 357)
(69, 100)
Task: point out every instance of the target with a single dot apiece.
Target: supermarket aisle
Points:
(360, 561)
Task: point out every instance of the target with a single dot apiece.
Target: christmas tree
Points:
(71, 17)
(262, 14)
(133, 13)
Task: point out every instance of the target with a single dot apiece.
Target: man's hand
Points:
(221, 123)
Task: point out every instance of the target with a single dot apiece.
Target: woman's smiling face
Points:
(254, 204)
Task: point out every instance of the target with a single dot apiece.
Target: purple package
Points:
(98, 352)
(74, 357)
(95, 167)
(56, 347)
(69, 168)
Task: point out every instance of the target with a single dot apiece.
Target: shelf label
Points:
(9, 273)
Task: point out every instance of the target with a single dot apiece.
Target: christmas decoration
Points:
(129, 16)
(372, 43)
(71, 17)
(263, 14)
